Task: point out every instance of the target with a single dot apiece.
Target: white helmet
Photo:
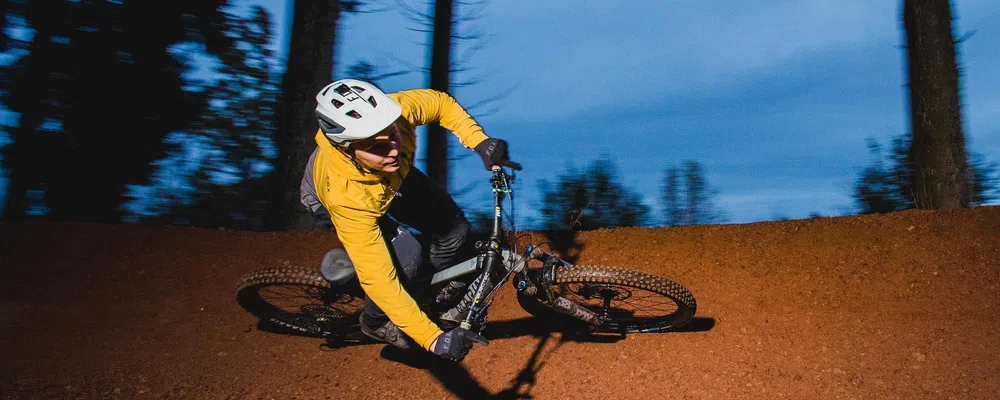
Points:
(350, 110)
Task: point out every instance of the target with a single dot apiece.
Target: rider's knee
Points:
(445, 248)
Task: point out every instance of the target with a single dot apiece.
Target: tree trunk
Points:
(309, 67)
(437, 138)
(940, 176)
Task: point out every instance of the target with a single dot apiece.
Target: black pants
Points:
(428, 208)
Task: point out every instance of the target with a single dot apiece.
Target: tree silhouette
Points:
(590, 199)
(886, 185)
(224, 156)
(451, 23)
(940, 174)
(309, 67)
(89, 128)
(687, 198)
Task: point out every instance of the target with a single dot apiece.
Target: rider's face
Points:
(379, 152)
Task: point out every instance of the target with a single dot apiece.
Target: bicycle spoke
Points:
(623, 305)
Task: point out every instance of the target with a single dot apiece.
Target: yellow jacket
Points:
(356, 199)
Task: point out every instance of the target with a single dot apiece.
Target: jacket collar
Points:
(342, 166)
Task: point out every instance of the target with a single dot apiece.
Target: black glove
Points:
(456, 343)
(493, 152)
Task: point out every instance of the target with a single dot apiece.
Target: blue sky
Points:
(774, 98)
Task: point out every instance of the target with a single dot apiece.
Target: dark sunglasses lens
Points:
(379, 148)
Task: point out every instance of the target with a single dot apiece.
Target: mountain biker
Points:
(362, 171)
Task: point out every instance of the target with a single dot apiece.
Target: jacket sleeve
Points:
(363, 241)
(422, 106)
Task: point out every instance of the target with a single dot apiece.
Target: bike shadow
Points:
(564, 243)
(457, 379)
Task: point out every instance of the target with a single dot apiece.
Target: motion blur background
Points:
(635, 113)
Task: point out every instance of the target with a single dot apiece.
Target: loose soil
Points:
(893, 306)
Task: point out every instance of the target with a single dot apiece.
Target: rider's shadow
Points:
(457, 379)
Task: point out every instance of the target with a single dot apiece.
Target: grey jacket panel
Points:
(307, 189)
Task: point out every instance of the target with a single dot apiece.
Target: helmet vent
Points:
(358, 89)
(353, 114)
(371, 99)
(336, 103)
(343, 90)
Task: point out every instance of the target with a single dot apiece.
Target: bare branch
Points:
(390, 75)
(465, 37)
(965, 37)
(468, 53)
(491, 100)
(357, 7)
(405, 63)
(457, 69)
(577, 214)
(471, 81)
(475, 13)
(413, 14)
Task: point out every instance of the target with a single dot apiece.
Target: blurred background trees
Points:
(181, 112)
(886, 184)
(591, 198)
(687, 198)
(215, 172)
(97, 89)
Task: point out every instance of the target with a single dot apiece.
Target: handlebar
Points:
(509, 164)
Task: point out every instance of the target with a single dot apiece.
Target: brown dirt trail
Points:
(900, 305)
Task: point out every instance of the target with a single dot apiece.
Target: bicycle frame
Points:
(496, 253)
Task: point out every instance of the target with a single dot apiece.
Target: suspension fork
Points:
(528, 282)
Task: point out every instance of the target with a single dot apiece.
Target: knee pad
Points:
(337, 267)
(407, 250)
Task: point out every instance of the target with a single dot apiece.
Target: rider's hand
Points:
(456, 343)
(493, 152)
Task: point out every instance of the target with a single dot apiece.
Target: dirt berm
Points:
(894, 306)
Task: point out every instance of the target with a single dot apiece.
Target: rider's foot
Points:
(455, 316)
(451, 293)
(388, 333)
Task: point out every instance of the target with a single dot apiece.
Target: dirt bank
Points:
(901, 305)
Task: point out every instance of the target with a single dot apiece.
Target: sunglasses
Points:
(380, 143)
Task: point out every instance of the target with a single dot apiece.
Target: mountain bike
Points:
(327, 301)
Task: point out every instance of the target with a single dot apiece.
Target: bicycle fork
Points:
(545, 277)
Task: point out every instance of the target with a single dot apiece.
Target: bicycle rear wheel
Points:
(298, 299)
(628, 301)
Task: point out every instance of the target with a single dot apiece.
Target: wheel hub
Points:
(604, 292)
